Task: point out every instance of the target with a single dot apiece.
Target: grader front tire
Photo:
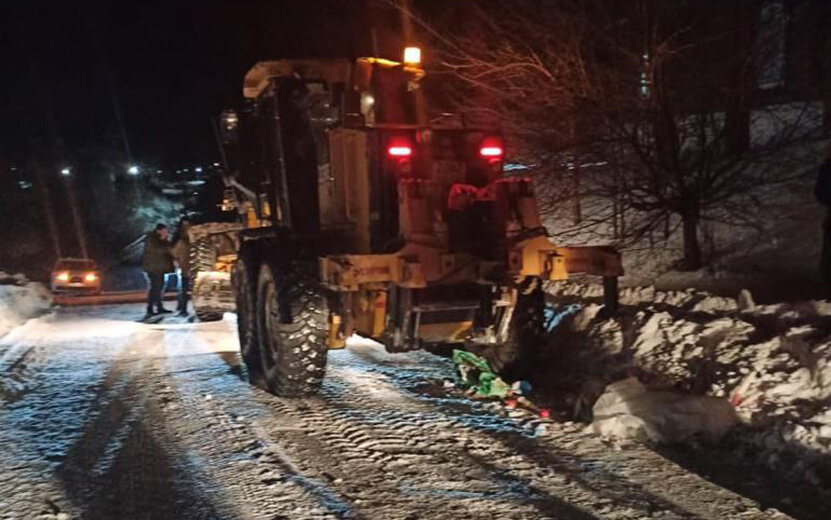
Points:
(245, 287)
(292, 326)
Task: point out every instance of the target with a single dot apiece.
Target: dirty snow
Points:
(110, 419)
(20, 300)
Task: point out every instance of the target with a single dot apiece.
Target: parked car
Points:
(76, 275)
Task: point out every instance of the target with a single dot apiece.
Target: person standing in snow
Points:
(822, 191)
(157, 261)
(181, 254)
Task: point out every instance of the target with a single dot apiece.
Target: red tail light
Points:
(400, 151)
(491, 148)
(491, 151)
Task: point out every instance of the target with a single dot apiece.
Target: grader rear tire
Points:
(205, 251)
(203, 255)
(292, 326)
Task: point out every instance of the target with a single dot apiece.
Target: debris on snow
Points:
(477, 374)
(553, 318)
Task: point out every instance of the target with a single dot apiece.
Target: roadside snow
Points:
(20, 300)
(772, 362)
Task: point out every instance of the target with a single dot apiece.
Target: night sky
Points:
(170, 65)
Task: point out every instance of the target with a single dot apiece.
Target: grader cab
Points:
(359, 216)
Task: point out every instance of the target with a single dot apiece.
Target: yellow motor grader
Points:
(356, 215)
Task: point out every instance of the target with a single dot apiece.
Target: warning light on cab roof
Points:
(412, 56)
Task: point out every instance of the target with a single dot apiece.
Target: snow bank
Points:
(772, 362)
(689, 299)
(20, 300)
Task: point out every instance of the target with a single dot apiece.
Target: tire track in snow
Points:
(421, 449)
(39, 426)
(462, 455)
(86, 441)
(126, 463)
(396, 453)
(260, 479)
(360, 454)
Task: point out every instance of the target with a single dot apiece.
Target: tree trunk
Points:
(692, 249)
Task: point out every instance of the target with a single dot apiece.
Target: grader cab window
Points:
(386, 92)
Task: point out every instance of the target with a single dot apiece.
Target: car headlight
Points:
(63, 277)
(90, 277)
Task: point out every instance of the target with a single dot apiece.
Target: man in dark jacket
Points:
(181, 254)
(157, 262)
(822, 191)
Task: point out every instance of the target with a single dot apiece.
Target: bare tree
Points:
(639, 118)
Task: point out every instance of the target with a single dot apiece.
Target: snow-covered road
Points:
(105, 418)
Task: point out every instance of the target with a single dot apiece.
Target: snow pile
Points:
(773, 363)
(20, 300)
(627, 410)
(690, 355)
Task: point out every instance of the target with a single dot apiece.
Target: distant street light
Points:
(66, 171)
(230, 120)
(198, 169)
(133, 170)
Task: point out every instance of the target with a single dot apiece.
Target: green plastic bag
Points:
(477, 373)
